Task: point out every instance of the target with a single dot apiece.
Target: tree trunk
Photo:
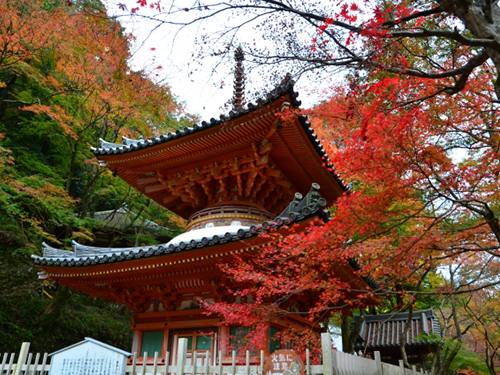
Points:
(348, 336)
(72, 166)
(402, 340)
(483, 21)
(52, 312)
(345, 326)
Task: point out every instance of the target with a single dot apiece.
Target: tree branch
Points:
(453, 35)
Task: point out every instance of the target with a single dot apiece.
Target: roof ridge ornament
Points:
(302, 207)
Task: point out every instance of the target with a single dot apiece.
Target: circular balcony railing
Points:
(226, 215)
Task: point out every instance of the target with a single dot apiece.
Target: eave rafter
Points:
(249, 176)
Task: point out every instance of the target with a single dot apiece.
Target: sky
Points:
(168, 55)
(204, 86)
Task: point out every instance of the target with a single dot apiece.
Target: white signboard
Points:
(89, 357)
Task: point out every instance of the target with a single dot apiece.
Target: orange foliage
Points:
(90, 80)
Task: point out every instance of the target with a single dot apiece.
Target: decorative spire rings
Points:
(239, 81)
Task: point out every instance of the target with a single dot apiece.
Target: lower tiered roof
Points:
(81, 255)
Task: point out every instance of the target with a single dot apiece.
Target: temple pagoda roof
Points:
(130, 145)
(82, 255)
(184, 170)
(228, 177)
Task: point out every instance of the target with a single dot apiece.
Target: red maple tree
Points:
(423, 179)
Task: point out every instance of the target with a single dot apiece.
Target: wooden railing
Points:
(334, 363)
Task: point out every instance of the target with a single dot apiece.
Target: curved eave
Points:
(260, 106)
(300, 156)
(152, 263)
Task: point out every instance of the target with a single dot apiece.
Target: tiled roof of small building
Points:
(385, 330)
(286, 87)
(123, 218)
(81, 255)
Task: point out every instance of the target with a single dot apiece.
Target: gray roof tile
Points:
(385, 330)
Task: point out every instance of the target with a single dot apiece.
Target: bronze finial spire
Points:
(239, 81)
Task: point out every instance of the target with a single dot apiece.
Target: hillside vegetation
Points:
(64, 83)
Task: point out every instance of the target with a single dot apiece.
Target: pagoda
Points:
(231, 179)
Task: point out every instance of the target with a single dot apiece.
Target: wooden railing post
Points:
(167, 361)
(155, 364)
(402, 367)
(35, 365)
(194, 359)
(378, 362)
(233, 362)
(27, 363)
(22, 358)
(134, 364)
(308, 362)
(207, 363)
(44, 363)
(144, 363)
(220, 362)
(326, 349)
(181, 355)
(247, 363)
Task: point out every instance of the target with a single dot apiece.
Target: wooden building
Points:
(231, 178)
(385, 332)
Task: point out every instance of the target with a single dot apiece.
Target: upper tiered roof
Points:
(248, 158)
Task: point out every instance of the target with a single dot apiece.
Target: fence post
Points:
(134, 364)
(144, 363)
(308, 363)
(326, 348)
(28, 363)
(167, 361)
(378, 362)
(155, 364)
(247, 363)
(194, 359)
(402, 367)
(35, 365)
(44, 363)
(233, 363)
(22, 358)
(181, 356)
